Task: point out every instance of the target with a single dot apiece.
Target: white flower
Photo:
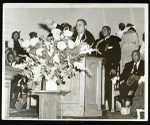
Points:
(37, 78)
(36, 71)
(42, 61)
(56, 34)
(56, 58)
(56, 37)
(86, 49)
(62, 36)
(47, 43)
(30, 61)
(20, 66)
(67, 33)
(26, 44)
(34, 41)
(79, 65)
(39, 51)
(71, 44)
(61, 45)
(50, 53)
(56, 31)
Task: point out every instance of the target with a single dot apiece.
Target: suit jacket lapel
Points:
(131, 69)
(139, 66)
(83, 38)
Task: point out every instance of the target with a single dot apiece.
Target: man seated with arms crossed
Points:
(131, 75)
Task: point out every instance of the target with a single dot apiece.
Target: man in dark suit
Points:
(110, 49)
(81, 33)
(131, 74)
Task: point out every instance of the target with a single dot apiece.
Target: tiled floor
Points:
(33, 115)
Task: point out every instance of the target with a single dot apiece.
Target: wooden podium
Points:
(10, 72)
(87, 94)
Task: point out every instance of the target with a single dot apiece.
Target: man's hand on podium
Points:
(115, 79)
(113, 72)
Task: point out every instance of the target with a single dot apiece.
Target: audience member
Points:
(142, 48)
(121, 30)
(129, 42)
(15, 44)
(138, 100)
(33, 35)
(14, 50)
(66, 26)
(130, 75)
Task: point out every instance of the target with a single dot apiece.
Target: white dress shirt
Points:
(78, 39)
(106, 37)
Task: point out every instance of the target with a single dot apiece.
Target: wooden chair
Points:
(115, 91)
(138, 113)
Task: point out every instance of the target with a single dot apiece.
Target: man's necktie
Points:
(135, 68)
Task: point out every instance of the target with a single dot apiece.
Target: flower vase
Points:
(61, 87)
(51, 85)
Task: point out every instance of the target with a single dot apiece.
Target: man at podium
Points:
(110, 49)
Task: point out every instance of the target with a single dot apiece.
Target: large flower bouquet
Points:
(54, 60)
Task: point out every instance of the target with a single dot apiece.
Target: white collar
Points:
(106, 37)
(81, 34)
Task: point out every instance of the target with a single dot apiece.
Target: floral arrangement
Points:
(56, 59)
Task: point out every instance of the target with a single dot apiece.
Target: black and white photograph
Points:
(75, 61)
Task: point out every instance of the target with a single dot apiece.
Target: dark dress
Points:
(18, 49)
